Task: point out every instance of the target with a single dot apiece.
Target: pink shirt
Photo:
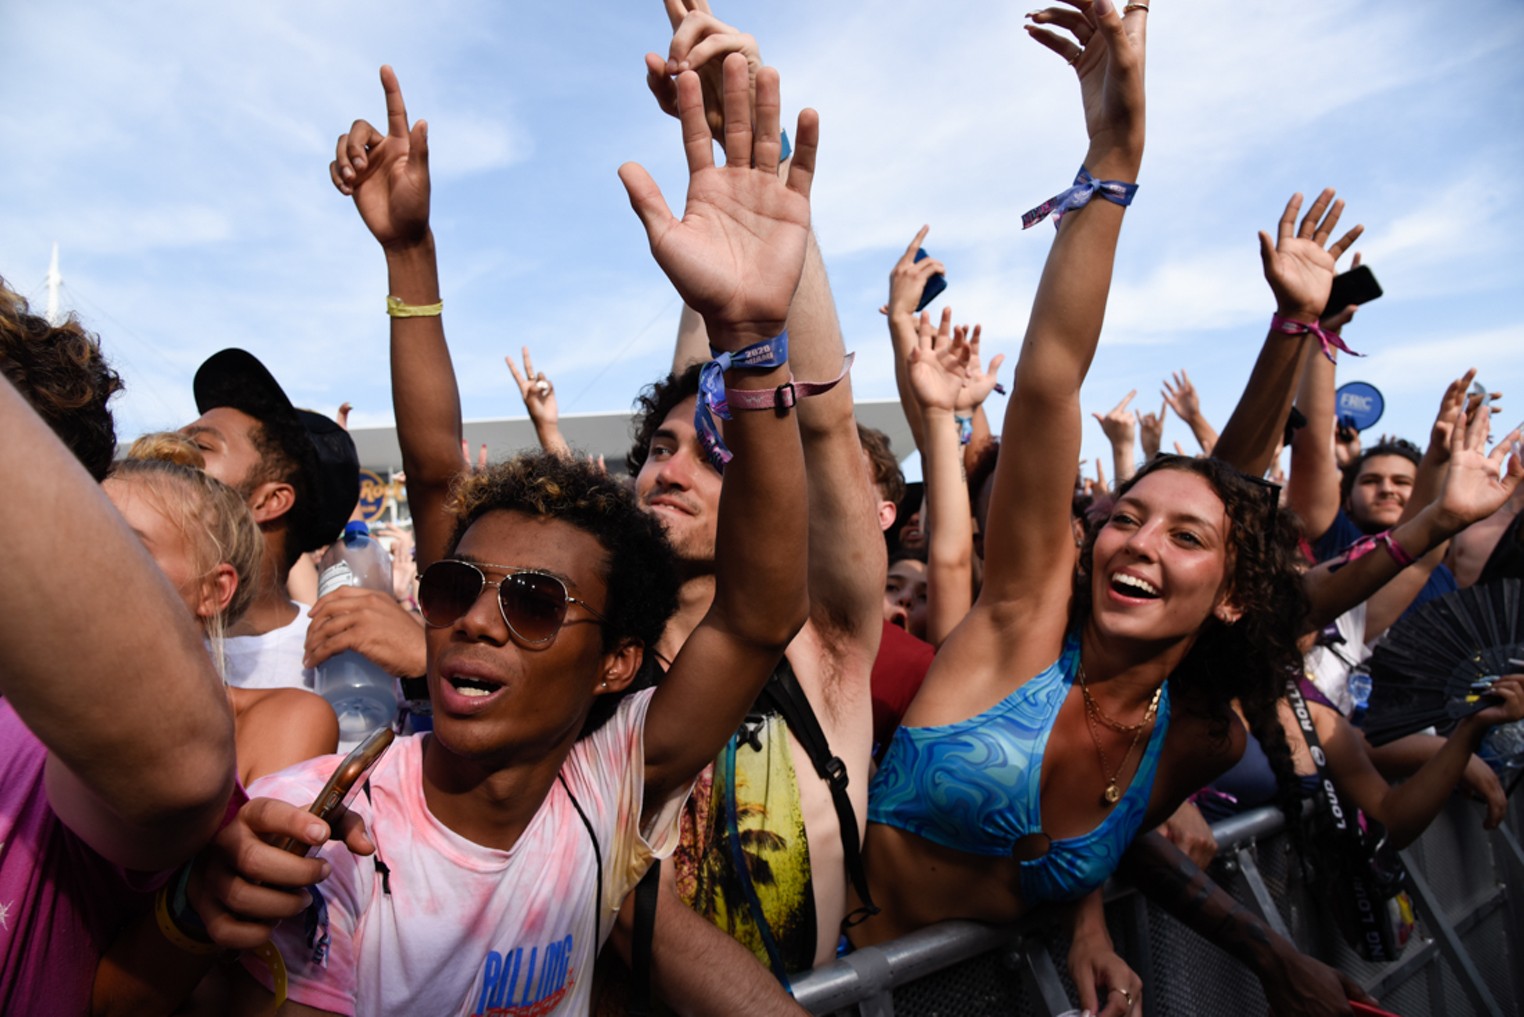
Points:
(61, 904)
(459, 928)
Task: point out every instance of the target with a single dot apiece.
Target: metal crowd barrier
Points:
(1464, 956)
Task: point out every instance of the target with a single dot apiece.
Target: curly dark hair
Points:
(653, 405)
(61, 371)
(887, 475)
(639, 568)
(1251, 659)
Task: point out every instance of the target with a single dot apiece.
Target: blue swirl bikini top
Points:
(974, 786)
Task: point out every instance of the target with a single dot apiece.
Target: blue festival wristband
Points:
(965, 429)
(1078, 196)
(768, 353)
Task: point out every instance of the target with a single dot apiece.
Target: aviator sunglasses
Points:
(533, 604)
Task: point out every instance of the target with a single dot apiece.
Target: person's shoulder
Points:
(1340, 534)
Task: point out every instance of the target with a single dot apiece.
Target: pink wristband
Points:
(1365, 545)
(1329, 340)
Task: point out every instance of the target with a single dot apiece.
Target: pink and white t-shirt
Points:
(466, 929)
(61, 903)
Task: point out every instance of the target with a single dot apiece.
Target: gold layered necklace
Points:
(1094, 717)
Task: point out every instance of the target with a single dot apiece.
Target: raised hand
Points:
(1117, 423)
(387, 174)
(977, 382)
(342, 417)
(536, 390)
(1298, 268)
(1454, 398)
(907, 280)
(1151, 430)
(1107, 52)
(1181, 397)
(1472, 487)
(938, 365)
(738, 252)
(700, 42)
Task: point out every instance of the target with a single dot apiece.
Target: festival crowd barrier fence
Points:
(1464, 955)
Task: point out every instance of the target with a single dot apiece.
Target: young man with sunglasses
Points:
(506, 839)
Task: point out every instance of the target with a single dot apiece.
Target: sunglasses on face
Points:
(533, 604)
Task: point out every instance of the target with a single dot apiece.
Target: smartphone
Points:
(1357, 286)
(348, 777)
(934, 286)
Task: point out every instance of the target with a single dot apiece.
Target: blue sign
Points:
(1359, 405)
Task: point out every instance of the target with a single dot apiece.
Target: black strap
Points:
(640, 949)
(381, 867)
(783, 693)
(597, 857)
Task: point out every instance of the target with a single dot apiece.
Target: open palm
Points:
(1298, 268)
(738, 252)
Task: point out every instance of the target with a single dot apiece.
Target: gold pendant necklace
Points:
(1093, 718)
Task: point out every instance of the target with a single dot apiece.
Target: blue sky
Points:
(178, 151)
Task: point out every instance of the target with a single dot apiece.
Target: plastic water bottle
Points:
(362, 695)
(1503, 747)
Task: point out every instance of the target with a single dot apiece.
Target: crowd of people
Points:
(728, 716)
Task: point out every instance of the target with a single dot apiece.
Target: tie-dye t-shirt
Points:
(466, 929)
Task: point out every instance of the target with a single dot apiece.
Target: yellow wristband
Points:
(270, 954)
(173, 933)
(397, 309)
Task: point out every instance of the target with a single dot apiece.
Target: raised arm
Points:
(940, 371)
(539, 395)
(736, 257)
(1180, 396)
(388, 177)
(1312, 488)
(1118, 424)
(101, 661)
(1407, 809)
(1474, 485)
(907, 280)
(1029, 549)
(1300, 273)
(846, 559)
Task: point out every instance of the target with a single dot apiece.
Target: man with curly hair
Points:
(504, 840)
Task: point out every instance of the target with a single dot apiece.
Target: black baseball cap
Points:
(327, 459)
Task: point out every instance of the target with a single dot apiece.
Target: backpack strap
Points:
(640, 947)
(784, 694)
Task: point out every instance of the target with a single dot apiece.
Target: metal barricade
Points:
(1464, 956)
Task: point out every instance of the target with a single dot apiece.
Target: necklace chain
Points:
(1094, 717)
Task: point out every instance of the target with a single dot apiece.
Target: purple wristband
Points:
(1085, 187)
(1330, 340)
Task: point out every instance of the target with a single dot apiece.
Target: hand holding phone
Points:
(1355, 287)
(934, 286)
(348, 778)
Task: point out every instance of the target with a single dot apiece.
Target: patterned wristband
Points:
(1330, 340)
(1085, 187)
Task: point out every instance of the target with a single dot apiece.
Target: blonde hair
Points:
(211, 515)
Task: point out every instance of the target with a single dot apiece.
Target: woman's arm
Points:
(1029, 549)
(1407, 809)
(1300, 273)
(938, 371)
